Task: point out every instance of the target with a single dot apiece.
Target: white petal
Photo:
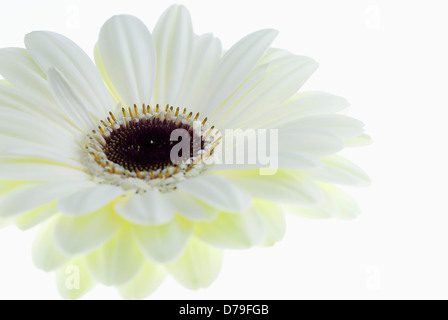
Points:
(74, 280)
(81, 235)
(89, 199)
(145, 283)
(273, 54)
(51, 50)
(285, 186)
(323, 211)
(8, 185)
(41, 110)
(173, 35)
(336, 204)
(218, 192)
(359, 141)
(284, 78)
(17, 124)
(255, 77)
(32, 196)
(164, 243)
(38, 152)
(17, 66)
(235, 66)
(118, 261)
(342, 126)
(109, 84)
(151, 208)
(129, 57)
(33, 218)
(207, 51)
(347, 207)
(198, 267)
(72, 101)
(230, 231)
(297, 160)
(273, 218)
(29, 170)
(45, 255)
(192, 209)
(311, 141)
(339, 170)
(306, 104)
(286, 160)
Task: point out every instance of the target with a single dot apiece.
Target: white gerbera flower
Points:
(85, 151)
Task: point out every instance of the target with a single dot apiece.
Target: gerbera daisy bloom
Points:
(86, 152)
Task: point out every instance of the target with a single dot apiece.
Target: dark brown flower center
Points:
(146, 144)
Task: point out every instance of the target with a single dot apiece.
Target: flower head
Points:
(128, 164)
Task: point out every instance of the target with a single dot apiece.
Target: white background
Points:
(389, 58)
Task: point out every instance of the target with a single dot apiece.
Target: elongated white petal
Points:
(339, 170)
(324, 210)
(312, 141)
(296, 160)
(151, 208)
(308, 104)
(35, 170)
(173, 35)
(45, 255)
(305, 104)
(41, 110)
(234, 67)
(164, 243)
(89, 199)
(336, 204)
(38, 152)
(33, 218)
(129, 57)
(342, 126)
(359, 141)
(207, 51)
(273, 54)
(145, 283)
(254, 78)
(273, 218)
(198, 267)
(52, 50)
(71, 101)
(31, 196)
(74, 280)
(118, 261)
(108, 82)
(284, 78)
(9, 185)
(347, 207)
(17, 66)
(285, 187)
(81, 235)
(192, 209)
(218, 192)
(230, 231)
(286, 160)
(17, 124)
